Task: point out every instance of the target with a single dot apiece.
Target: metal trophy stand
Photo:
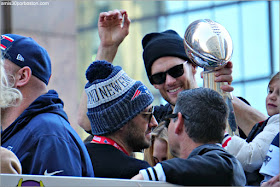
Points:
(209, 45)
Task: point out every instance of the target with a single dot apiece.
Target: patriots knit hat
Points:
(24, 51)
(113, 97)
(162, 44)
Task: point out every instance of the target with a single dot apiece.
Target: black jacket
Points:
(207, 165)
(109, 162)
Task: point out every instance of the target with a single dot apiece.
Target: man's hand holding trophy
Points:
(209, 45)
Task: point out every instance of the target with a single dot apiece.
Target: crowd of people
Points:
(184, 141)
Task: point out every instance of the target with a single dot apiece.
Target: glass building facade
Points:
(253, 26)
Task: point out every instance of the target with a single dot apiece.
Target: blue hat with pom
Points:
(113, 97)
(24, 51)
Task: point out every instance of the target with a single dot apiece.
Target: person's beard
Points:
(135, 137)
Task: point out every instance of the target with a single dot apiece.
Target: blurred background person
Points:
(159, 149)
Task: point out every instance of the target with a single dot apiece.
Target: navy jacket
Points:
(44, 141)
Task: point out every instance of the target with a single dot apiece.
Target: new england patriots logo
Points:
(140, 90)
(6, 41)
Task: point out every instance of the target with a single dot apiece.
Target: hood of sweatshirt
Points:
(47, 103)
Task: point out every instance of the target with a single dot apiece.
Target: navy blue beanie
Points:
(161, 44)
(24, 51)
(113, 97)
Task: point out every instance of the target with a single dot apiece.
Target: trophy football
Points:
(209, 45)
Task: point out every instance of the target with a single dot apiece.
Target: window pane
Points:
(239, 90)
(177, 23)
(174, 6)
(138, 9)
(275, 27)
(255, 93)
(197, 4)
(222, 2)
(229, 18)
(193, 16)
(256, 43)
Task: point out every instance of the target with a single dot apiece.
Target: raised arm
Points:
(113, 27)
(246, 116)
(83, 120)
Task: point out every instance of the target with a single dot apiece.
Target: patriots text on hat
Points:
(109, 90)
(113, 97)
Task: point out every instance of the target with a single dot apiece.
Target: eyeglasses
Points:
(149, 114)
(172, 116)
(168, 117)
(175, 72)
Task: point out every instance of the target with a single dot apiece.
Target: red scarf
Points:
(105, 140)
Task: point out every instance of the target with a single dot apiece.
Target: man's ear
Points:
(179, 127)
(194, 69)
(23, 76)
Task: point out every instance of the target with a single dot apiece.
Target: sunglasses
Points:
(149, 114)
(174, 72)
(172, 116)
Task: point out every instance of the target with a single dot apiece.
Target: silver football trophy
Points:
(209, 45)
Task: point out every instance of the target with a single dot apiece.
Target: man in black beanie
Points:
(168, 67)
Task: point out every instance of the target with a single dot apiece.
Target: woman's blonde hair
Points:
(160, 132)
(8, 95)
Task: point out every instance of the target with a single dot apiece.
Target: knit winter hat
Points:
(162, 44)
(24, 51)
(113, 97)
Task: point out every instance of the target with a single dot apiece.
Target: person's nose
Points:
(169, 79)
(153, 123)
(273, 96)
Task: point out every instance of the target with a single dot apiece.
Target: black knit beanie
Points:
(162, 44)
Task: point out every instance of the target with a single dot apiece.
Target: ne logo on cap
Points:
(140, 90)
